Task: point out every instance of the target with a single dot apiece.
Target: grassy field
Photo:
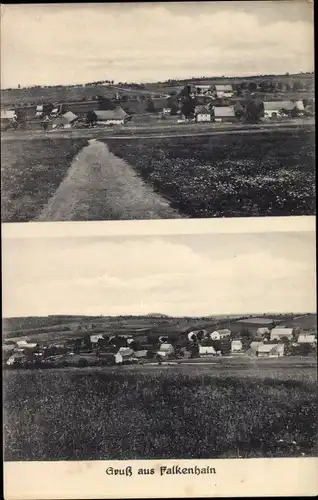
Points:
(255, 174)
(231, 175)
(31, 171)
(112, 414)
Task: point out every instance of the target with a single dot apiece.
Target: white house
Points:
(262, 331)
(142, 353)
(8, 114)
(39, 111)
(224, 333)
(110, 117)
(205, 350)
(224, 113)
(273, 108)
(236, 346)
(165, 350)
(270, 350)
(306, 338)
(95, 338)
(166, 111)
(278, 333)
(224, 91)
(202, 114)
(215, 335)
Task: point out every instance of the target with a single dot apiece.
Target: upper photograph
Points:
(157, 110)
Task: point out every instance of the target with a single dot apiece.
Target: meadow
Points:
(272, 173)
(91, 414)
(31, 171)
(226, 175)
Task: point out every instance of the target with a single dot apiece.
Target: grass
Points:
(98, 414)
(235, 175)
(272, 173)
(31, 171)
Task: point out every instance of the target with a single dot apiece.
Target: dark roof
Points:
(110, 114)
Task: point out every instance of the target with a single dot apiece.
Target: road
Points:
(101, 186)
(159, 131)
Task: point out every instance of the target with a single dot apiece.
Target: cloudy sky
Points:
(76, 43)
(176, 275)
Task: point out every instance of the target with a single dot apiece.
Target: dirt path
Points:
(101, 186)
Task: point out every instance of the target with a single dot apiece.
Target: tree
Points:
(253, 111)
(87, 342)
(150, 106)
(252, 86)
(187, 107)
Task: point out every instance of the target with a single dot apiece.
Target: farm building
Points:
(267, 350)
(224, 91)
(262, 331)
(255, 344)
(165, 350)
(306, 338)
(39, 111)
(215, 335)
(274, 108)
(142, 353)
(224, 113)
(236, 346)
(202, 114)
(201, 89)
(224, 333)
(65, 121)
(279, 333)
(23, 344)
(205, 350)
(125, 354)
(110, 117)
(8, 115)
(95, 338)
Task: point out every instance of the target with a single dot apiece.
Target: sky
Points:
(181, 275)
(49, 44)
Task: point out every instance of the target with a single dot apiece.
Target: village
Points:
(123, 106)
(249, 337)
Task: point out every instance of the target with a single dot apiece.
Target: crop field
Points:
(91, 414)
(231, 175)
(31, 171)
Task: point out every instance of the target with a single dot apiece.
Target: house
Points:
(224, 333)
(255, 344)
(95, 338)
(278, 333)
(201, 89)
(262, 331)
(273, 108)
(8, 115)
(166, 111)
(110, 117)
(202, 114)
(125, 354)
(65, 121)
(224, 91)
(142, 353)
(306, 338)
(55, 111)
(165, 350)
(236, 346)
(23, 344)
(270, 351)
(206, 350)
(39, 111)
(215, 335)
(224, 113)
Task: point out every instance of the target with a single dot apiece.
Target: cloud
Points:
(149, 42)
(147, 274)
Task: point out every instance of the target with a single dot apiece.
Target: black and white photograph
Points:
(174, 346)
(157, 110)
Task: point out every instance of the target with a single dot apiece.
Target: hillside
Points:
(53, 328)
(90, 91)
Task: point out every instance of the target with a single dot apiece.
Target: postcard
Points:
(158, 205)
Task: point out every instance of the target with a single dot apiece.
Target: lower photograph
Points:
(155, 346)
